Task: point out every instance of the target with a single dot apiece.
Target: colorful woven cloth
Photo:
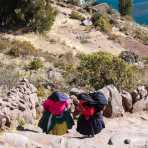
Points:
(48, 122)
(59, 129)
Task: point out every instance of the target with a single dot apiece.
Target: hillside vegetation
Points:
(35, 14)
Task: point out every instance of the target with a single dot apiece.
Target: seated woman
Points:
(90, 121)
(56, 118)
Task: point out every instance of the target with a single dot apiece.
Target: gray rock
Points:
(4, 121)
(140, 93)
(126, 101)
(114, 107)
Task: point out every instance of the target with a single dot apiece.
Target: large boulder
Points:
(126, 101)
(19, 104)
(114, 107)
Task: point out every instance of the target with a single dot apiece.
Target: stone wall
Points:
(18, 104)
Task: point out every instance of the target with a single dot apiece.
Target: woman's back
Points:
(55, 107)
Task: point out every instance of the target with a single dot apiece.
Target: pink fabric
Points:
(85, 110)
(55, 107)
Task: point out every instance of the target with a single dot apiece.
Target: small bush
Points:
(77, 15)
(102, 21)
(99, 69)
(43, 16)
(41, 91)
(21, 48)
(35, 64)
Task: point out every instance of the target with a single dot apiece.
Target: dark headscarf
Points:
(58, 96)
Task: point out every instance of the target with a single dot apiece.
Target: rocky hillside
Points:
(126, 125)
(128, 131)
(32, 65)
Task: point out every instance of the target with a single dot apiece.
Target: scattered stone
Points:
(110, 142)
(87, 22)
(127, 141)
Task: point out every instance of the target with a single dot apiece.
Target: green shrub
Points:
(43, 17)
(102, 21)
(35, 64)
(77, 15)
(99, 69)
(41, 91)
(21, 48)
(36, 14)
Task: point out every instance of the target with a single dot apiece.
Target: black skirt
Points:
(90, 126)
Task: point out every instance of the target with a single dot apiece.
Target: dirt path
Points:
(131, 127)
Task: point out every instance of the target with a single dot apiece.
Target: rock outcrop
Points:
(118, 103)
(18, 104)
(114, 107)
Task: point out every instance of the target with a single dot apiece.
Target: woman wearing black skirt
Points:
(91, 106)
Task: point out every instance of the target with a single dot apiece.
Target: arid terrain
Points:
(69, 37)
